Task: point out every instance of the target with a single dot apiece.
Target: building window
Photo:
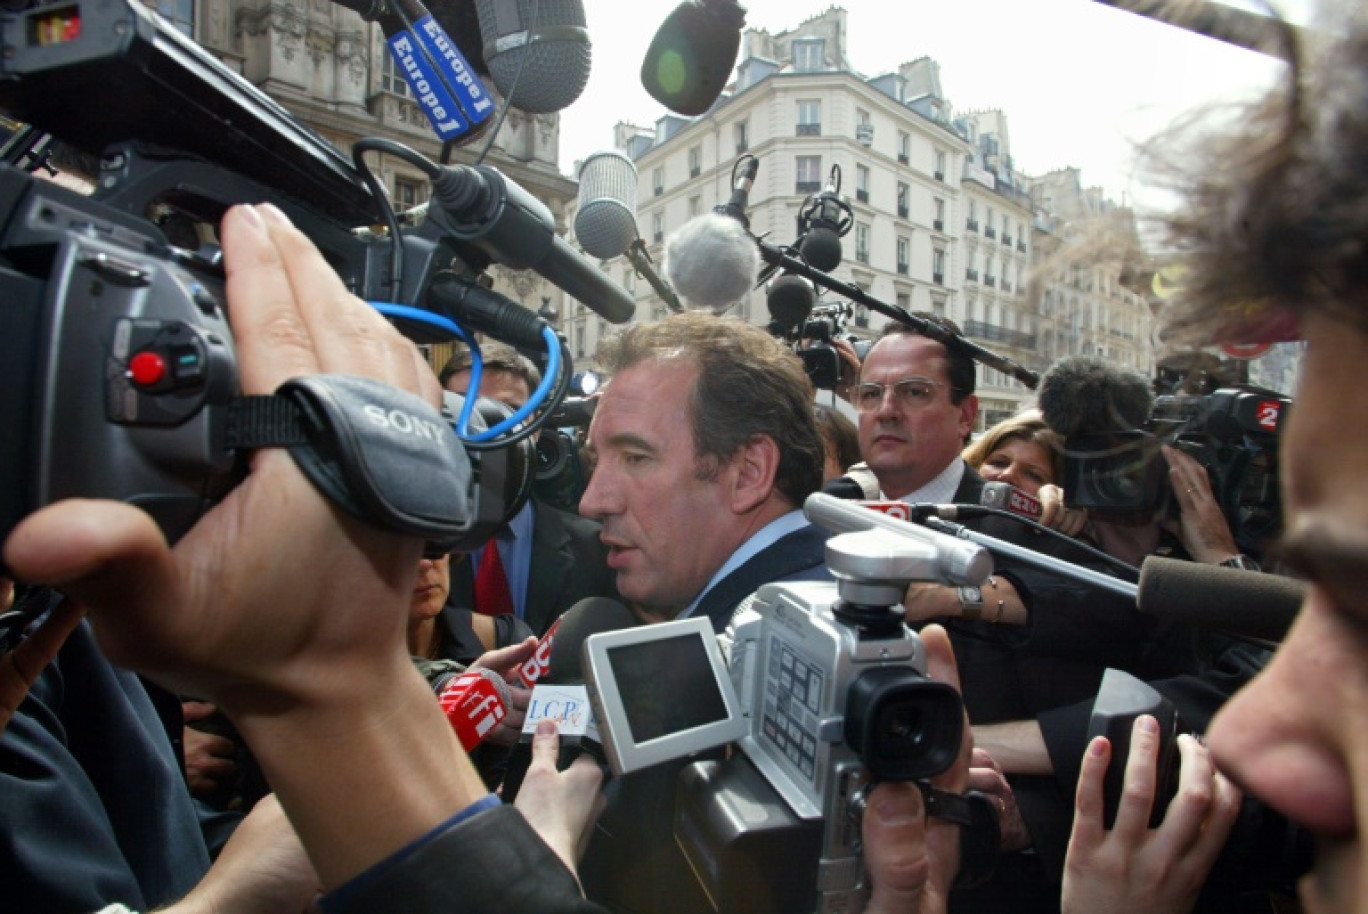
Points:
(990, 270)
(658, 227)
(862, 242)
(989, 226)
(741, 130)
(939, 223)
(629, 279)
(862, 183)
(810, 118)
(658, 180)
(904, 254)
(809, 169)
(695, 205)
(904, 301)
(864, 128)
(938, 266)
(1007, 230)
(390, 80)
(904, 192)
(180, 13)
(408, 193)
(972, 222)
(579, 339)
(695, 161)
(940, 165)
(904, 147)
(809, 54)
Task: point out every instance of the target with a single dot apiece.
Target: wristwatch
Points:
(1242, 562)
(971, 603)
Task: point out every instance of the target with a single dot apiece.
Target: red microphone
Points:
(540, 662)
(474, 701)
(1007, 497)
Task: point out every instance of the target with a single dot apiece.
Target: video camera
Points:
(824, 689)
(561, 474)
(1232, 432)
(117, 364)
(821, 361)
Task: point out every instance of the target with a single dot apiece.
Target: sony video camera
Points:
(823, 688)
(117, 367)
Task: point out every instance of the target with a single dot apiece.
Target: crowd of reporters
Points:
(301, 624)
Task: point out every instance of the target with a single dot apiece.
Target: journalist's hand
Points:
(21, 666)
(505, 661)
(986, 776)
(1133, 867)
(1202, 526)
(210, 759)
(912, 860)
(1056, 515)
(561, 806)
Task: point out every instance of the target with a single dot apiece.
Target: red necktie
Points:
(492, 596)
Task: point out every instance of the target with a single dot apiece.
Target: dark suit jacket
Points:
(569, 563)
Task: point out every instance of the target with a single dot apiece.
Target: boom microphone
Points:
(692, 55)
(790, 301)
(1248, 604)
(741, 188)
(712, 261)
(605, 218)
(1085, 396)
(822, 221)
(538, 51)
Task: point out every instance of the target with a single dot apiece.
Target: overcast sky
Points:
(1079, 81)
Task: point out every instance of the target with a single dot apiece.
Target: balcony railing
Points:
(940, 176)
(971, 275)
(807, 187)
(972, 225)
(902, 158)
(938, 225)
(1006, 241)
(862, 256)
(938, 278)
(862, 196)
(902, 212)
(990, 232)
(996, 334)
(1021, 245)
(659, 189)
(695, 171)
(810, 129)
(990, 280)
(902, 268)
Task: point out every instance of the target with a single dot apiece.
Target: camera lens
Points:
(902, 725)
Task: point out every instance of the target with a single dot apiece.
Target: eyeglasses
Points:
(909, 394)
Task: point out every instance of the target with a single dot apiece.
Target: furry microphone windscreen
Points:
(712, 262)
(1085, 396)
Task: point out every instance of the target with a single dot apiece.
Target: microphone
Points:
(741, 188)
(561, 694)
(1085, 396)
(485, 208)
(605, 218)
(540, 64)
(790, 301)
(444, 84)
(474, 702)
(711, 261)
(822, 221)
(692, 55)
(1247, 604)
(996, 496)
(537, 666)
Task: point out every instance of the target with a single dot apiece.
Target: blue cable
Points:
(539, 396)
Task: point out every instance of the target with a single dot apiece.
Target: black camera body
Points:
(561, 474)
(821, 361)
(116, 359)
(1232, 432)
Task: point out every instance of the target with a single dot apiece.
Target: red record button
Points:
(146, 368)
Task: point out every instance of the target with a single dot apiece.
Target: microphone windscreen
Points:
(1245, 603)
(1085, 396)
(587, 617)
(712, 261)
(539, 66)
(790, 300)
(821, 248)
(605, 220)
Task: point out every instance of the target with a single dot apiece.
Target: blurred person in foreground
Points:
(1278, 241)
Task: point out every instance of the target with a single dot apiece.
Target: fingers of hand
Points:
(1088, 802)
(1137, 797)
(895, 838)
(546, 744)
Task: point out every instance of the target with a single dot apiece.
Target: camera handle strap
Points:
(980, 832)
(379, 453)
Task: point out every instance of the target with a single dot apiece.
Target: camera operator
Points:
(313, 669)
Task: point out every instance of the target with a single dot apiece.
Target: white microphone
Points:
(605, 218)
(539, 66)
(712, 262)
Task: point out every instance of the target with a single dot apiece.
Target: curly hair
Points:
(1275, 221)
(749, 384)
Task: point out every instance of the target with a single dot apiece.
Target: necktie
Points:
(492, 596)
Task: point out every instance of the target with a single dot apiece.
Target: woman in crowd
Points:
(1025, 452)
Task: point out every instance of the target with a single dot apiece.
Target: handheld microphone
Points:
(539, 664)
(1247, 604)
(443, 82)
(539, 63)
(996, 496)
(822, 221)
(485, 208)
(741, 188)
(474, 702)
(561, 694)
(605, 218)
(692, 55)
(711, 261)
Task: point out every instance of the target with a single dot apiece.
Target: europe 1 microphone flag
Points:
(444, 85)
